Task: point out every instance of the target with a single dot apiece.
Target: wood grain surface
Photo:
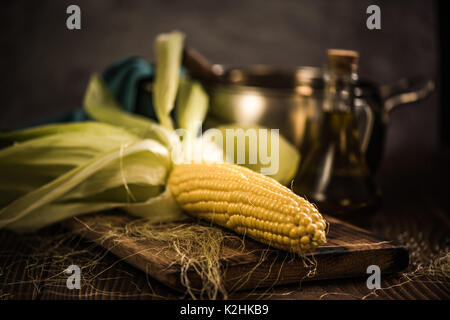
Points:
(249, 265)
(31, 267)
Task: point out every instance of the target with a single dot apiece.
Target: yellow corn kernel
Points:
(249, 203)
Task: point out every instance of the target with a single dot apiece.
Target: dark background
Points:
(45, 67)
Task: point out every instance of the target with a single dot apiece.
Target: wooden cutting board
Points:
(348, 253)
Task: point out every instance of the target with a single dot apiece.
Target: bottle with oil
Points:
(334, 174)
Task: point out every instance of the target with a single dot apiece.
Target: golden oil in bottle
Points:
(334, 174)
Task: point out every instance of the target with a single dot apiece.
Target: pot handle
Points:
(200, 68)
(363, 108)
(425, 88)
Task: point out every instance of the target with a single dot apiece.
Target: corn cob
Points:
(248, 203)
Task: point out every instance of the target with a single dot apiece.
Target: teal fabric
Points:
(124, 79)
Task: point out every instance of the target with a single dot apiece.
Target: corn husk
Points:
(100, 105)
(37, 156)
(192, 105)
(169, 48)
(53, 176)
(287, 160)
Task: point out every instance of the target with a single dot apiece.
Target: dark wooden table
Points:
(32, 266)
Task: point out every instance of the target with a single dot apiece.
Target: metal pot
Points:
(291, 100)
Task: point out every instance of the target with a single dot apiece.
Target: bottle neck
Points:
(339, 91)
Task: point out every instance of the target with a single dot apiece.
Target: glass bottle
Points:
(334, 174)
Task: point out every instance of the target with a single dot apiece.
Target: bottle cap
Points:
(342, 61)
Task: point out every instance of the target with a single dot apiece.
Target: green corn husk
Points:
(37, 156)
(192, 105)
(288, 156)
(51, 177)
(88, 127)
(100, 105)
(169, 49)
